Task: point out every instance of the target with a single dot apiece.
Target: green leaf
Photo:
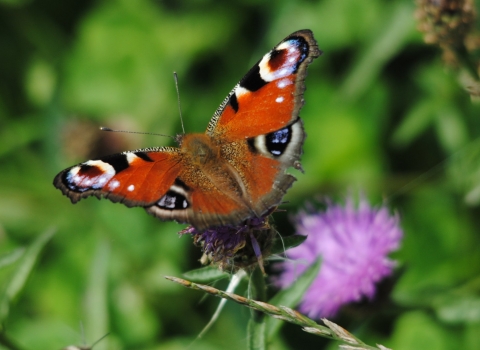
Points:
(257, 290)
(256, 286)
(417, 120)
(206, 274)
(21, 273)
(396, 29)
(460, 310)
(418, 330)
(451, 129)
(20, 133)
(96, 310)
(291, 296)
(281, 245)
(256, 334)
(11, 257)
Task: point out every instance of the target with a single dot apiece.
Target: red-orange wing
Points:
(270, 96)
(163, 181)
(258, 124)
(257, 132)
(137, 178)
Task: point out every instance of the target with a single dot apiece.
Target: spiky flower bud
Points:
(445, 22)
(235, 247)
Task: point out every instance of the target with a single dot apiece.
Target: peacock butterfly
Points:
(234, 171)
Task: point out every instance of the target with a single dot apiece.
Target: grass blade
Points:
(22, 272)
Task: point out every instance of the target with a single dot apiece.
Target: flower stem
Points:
(331, 331)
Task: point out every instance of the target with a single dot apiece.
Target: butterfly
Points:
(234, 171)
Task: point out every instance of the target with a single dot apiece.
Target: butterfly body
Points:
(235, 171)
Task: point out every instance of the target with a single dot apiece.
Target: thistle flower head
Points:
(235, 247)
(445, 22)
(353, 241)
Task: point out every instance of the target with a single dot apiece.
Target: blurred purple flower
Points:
(353, 241)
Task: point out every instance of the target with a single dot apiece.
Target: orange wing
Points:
(137, 178)
(254, 136)
(258, 124)
(270, 95)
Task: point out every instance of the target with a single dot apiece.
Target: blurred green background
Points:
(383, 116)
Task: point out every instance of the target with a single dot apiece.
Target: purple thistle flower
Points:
(353, 241)
(234, 247)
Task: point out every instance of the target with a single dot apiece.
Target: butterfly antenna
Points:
(178, 99)
(104, 128)
(99, 340)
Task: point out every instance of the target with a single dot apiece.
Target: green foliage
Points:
(281, 245)
(383, 115)
(205, 274)
(290, 297)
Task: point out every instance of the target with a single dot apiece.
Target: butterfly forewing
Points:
(270, 95)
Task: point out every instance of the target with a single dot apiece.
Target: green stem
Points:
(332, 331)
(466, 61)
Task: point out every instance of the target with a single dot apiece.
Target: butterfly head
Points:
(179, 139)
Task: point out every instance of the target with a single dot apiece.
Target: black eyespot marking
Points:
(251, 145)
(276, 142)
(143, 156)
(119, 161)
(173, 201)
(233, 102)
(252, 81)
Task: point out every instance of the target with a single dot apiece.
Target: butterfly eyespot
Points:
(88, 175)
(278, 141)
(173, 201)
